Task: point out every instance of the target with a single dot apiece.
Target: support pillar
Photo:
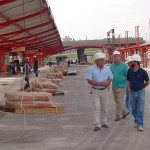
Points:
(1, 63)
(123, 55)
(144, 57)
(131, 52)
(81, 56)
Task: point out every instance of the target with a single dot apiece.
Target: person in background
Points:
(69, 62)
(127, 100)
(138, 80)
(26, 67)
(12, 68)
(18, 66)
(92, 62)
(35, 66)
(99, 77)
(24, 83)
(119, 85)
(76, 61)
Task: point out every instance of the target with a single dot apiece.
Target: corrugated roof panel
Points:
(30, 21)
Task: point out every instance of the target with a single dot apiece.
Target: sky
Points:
(92, 19)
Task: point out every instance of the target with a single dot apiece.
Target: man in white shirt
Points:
(99, 77)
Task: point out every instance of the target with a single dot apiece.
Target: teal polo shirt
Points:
(119, 75)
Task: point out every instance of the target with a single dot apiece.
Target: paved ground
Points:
(74, 129)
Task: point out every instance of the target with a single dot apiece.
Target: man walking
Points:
(99, 77)
(119, 84)
(138, 79)
(35, 67)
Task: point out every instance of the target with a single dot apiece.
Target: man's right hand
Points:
(104, 83)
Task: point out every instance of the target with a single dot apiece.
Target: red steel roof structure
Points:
(29, 24)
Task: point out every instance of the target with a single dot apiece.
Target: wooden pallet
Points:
(5, 74)
(34, 110)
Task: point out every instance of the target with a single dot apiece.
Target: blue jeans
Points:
(36, 72)
(127, 101)
(137, 104)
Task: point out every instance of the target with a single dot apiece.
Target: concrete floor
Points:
(74, 129)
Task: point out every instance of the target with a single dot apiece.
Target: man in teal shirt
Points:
(119, 84)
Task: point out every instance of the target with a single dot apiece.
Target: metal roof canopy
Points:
(29, 24)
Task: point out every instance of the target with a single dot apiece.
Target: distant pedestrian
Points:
(35, 66)
(26, 67)
(12, 68)
(76, 61)
(127, 100)
(18, 66)
(119, 85)
(92, 62)
(138, 79)
(99, 77)
(24, 84)
(69, 62)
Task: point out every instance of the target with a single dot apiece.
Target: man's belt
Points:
(135, 90)
(98, 88)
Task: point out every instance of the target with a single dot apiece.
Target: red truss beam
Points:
(27, 46)
(8, 19)
(51, 50)
(3, 2)
(30, 36)
(27, 29)
(49, 46)
(40, 38)
(58, 46)
(56, 42)
(4, 24)
(33, 40)
(36, 45)
(49, 43)
(53, 43)
(57, 36)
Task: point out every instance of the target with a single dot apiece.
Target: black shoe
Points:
(96, 129)
(104, 125)
(124, 116)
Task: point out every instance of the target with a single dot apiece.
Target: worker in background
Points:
(26, 67)
(127, 100)
(17, 66)
(35, 66)
(119, 85)
(24, 83)
(138, 79)
(69, 62)
(99, 77)
(12, 68)
(92, 62)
